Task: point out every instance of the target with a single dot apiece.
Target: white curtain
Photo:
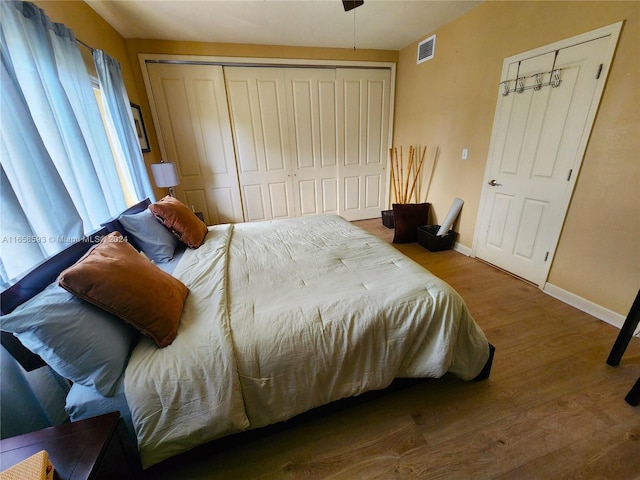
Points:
(59, 179)
(120, 120)
(75, 81)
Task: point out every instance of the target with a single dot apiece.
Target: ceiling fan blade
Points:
(351, 4)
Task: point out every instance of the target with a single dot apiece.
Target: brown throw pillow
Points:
(407, 218)
(181, 221)
(118, 279)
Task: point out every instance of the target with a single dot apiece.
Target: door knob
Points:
(493, 183)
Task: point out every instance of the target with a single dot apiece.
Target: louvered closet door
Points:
(363, 133)
(257, 104)
(194, 130)
(312, 112)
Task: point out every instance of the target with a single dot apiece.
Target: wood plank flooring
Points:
(552, 408)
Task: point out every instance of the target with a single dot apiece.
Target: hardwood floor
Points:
(552, 408)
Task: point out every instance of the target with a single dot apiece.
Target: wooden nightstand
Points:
(95, 448)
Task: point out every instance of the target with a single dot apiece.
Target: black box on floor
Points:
(428, 239)
(387, 218)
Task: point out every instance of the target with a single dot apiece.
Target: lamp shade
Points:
(165, 174)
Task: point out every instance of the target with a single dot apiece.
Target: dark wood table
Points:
(95, 448)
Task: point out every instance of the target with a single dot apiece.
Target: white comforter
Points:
(286, 316)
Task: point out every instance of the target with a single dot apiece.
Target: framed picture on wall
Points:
(140, 130)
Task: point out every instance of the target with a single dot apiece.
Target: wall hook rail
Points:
(520, 83)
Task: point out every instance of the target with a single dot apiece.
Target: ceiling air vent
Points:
(426, 49)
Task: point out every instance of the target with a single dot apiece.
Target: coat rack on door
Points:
(520, 83)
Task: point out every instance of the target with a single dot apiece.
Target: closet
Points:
(268, 142)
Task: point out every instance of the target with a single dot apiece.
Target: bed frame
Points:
(45, 273)
(42, 275)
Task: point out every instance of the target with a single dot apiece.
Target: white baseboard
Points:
(586, 306)
(463, 249)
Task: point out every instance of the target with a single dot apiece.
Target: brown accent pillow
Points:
(118, 279)
(407, 217)
(181, 221)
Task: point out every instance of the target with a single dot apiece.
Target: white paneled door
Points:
(258, 108)
(310, 141)
(536, 150)
(193, 126)
(261, 143)
(363, 116)
(312, 106)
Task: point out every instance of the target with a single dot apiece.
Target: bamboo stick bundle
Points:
(398, 178)
(401, 175)
(393, 176)
(405, 197)
(396, 175)
(417, 174)
(402, 184)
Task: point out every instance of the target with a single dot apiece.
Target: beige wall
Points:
(449, 103)
(259, 51)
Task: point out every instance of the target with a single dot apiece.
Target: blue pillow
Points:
(154, 239)
(83, 343)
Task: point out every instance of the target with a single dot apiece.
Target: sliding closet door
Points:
(195, 133)
(310, 140)
(257, 103)
(261, 143)
(312, 112)
(363, 138)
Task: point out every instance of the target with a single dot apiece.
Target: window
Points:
(59, 179)
(119, 163)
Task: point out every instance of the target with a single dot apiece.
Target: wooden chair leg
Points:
(633, 397)
(626, 332)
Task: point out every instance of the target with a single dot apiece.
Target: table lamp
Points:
(165, 175)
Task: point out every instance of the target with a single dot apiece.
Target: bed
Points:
(279, 317)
